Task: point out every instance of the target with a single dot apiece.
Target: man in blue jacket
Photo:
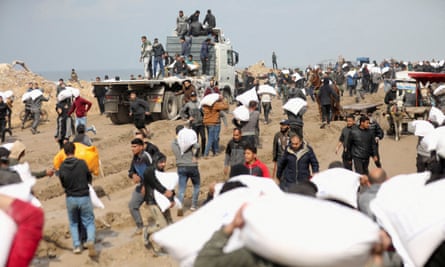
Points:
(293, 167)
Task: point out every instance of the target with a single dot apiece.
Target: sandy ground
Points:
(115, 244)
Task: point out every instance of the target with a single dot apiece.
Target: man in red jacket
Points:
(251, 165)
(81, 106)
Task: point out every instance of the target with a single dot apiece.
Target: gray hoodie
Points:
(185, 159)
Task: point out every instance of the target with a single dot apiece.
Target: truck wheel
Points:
(121, 117)
(227, 96)
(170, 107)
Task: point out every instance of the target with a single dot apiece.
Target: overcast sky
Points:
(54, 35)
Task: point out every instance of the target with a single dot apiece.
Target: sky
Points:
(55, 35)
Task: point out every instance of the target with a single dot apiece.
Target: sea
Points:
(90, 75)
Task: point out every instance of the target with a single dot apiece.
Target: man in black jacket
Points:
(99, 93)
(139, 109)
(75, 177)
(361, 144)
(343, 141)
(325, 95)
(157, 219)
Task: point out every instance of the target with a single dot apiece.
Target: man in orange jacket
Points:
(213, 124)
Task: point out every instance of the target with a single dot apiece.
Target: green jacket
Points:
(212, 255)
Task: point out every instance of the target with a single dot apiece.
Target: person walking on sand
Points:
(99, 93)
(343, 140)
(36, 106)
(252, 165)
(81, 106)
(75, 177)
(141, 160)
(192, 112)
(234, 151)
(187, 165)
(139, 109)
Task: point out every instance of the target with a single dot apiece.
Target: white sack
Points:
(294, 105)
(385, 70)
(186, 138)
(209, 100)
(169, 180)
(422, 127)
(34, 94)
(95, 200)
(412, 219)
(431, 140)
(310, 232)
(8, 94)
(26, 96)
(440, 148)
(75, 92)
(338, 183)
(436, 115)
(439, 90)
(257, 184)
(241, 113)
(64, 94)
(8, 228)
(185, 238)
(248, 96)
(297, 76)
(266, 89)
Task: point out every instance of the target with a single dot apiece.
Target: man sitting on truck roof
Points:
(180, 67)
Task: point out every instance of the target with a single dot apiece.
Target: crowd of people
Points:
(295, 161)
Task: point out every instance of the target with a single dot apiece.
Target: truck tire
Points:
(170, 106)
(227, 95)
(121, 117)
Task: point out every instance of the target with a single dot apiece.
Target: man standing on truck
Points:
(210, 20)
(146, 50)
(181, 24)
(138, 109)
(205, 56)
(158, 52)
(186, 46)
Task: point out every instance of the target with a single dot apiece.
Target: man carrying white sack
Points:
(157, 219)
(212, 254)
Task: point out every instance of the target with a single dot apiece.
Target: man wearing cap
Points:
(187, 89)
(280, 141)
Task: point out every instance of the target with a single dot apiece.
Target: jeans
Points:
(83, 120)
(184, 173)
(213, 142)
(85, 207)
(200, 131)
(160, 62)
(137, 199)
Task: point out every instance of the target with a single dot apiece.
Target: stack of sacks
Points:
(186, 138)
(309, 232)
(339, 184)
(411, 212)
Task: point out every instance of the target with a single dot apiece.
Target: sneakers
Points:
(193, 208)
(77, 250)
(93, 129)
(91, 249)
(34, 131)
(180, 212)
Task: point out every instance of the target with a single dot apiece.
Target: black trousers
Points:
(361, 165)
(200, 131)
(347, 161)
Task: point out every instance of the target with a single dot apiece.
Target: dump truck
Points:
(160, 93)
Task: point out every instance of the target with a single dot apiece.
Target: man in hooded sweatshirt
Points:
(157, 218)
(75, 177)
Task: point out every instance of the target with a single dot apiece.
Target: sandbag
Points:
(422, 127)
(34, 94)
(186, 138)
(266, 89)
(413, 219)
(8, 228)
(295, 105)
(74, 91)
(209, 100)
(26, 96)
(169, 180)
(185, 238)
(241, 113)
(64, 94)
(88, 153)
(309, 232)
(248, 96)
(338, 183)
